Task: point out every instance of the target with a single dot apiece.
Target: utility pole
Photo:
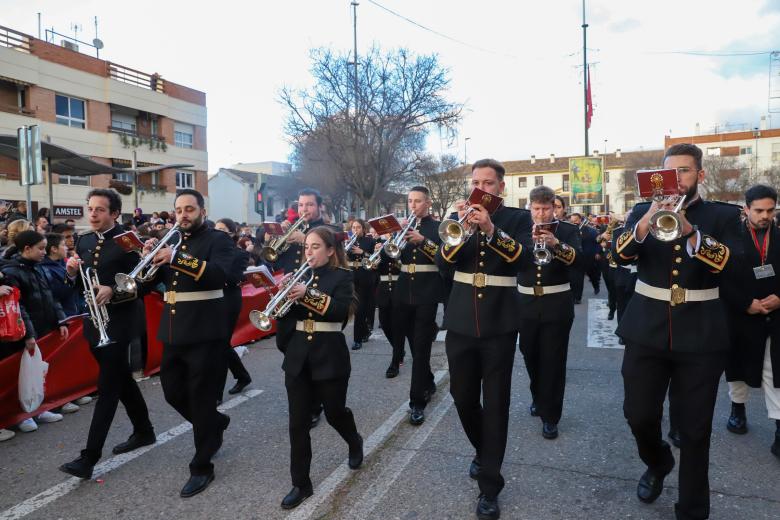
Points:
(585, 78)
(354, 5)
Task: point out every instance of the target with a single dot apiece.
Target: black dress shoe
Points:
(392, 371)
(674, 436)
(549, 430)
(577, 301)
(487, 508)
(417, 417)
(650, 486)
(775, 448)
(356, 345)
(81, 468)
(315, 420)
(532, 409)
(611, 315)
(737, 422)
(240, 385)
(296, 496)
(135, 441)
(356, 454)
(596, 290)
(621, 342)
(474, 468)
(196, 484)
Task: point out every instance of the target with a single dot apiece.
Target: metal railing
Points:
(130, 76)
(14, 40)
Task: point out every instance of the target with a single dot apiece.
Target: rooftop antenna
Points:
(75, 27)
(97, 42)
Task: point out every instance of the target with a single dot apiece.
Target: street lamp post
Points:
(466, 150)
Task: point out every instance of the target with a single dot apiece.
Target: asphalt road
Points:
(410, 472)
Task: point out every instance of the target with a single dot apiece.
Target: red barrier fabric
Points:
(73, 372)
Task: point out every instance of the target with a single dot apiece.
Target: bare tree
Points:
(446, 179)
(368, 132)
(726, 178)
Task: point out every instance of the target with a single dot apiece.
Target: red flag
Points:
(588, 101)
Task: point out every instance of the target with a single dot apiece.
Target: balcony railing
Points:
(124, 74)
(131, 139)
(14, 40)
(153, 188)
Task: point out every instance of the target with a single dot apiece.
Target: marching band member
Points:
(587, 264)
(316, 359)
(193, 329)
(546, 308)
(417, 297)
(98, 251)
(675, 331)
(364, 281)
(482, 328)
(755, 357)
(389, 269)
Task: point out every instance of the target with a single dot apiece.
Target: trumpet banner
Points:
(586, 177)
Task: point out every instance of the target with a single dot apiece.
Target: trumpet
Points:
(666, 225)
(143, 272)
(454, 232)
(396, 244)
(98, 313)
(280, 304)
(542, 255)
(348, 245)
(372, 262)
(278, 244)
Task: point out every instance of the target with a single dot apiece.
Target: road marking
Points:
(441, 335)
(601, 331)
(393, 469)
(328, 486)
(44, 498)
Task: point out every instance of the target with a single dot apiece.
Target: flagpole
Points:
(585, 75)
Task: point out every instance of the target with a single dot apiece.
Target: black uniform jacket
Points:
(384, 290)
(202, 263)
(554, 306)
(690, 326)
(99, 252)
(328, 299)
(292, 258)
(486, 311)
(625, 277)
(425, 287)
(362, 275)
(750, 332)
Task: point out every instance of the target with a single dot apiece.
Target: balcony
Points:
(158, 189)
(131, 139)
(14, 40)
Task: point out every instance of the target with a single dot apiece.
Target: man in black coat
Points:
(193, 330)
(97, 250)
(416, 299)
(587, 264)
(546, 309)
(755, 356)
(481, 323)
(676, 333)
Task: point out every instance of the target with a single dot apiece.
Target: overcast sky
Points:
(517, 68)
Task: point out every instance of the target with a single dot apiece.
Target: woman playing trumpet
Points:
(364, 280)
(316, 358)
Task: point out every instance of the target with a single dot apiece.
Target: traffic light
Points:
(259, 202)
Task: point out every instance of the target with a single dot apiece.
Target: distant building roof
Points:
(643, 158)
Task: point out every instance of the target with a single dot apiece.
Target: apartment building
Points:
(103, 111)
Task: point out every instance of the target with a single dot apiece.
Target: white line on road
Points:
(44, 498)
(328, 486)
(601, 331)
(393, 469)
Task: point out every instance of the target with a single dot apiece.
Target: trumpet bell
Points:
(542, 257)
(270, 254)
(452, 232)
(260, 320)
(125, 282)
(392, 250)
(666, 226)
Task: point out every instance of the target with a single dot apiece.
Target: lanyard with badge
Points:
(764, 270)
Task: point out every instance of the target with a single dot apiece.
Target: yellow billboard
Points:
(586, 176)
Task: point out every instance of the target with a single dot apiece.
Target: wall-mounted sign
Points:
(68, 211)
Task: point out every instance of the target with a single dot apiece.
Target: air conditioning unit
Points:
(69, 45)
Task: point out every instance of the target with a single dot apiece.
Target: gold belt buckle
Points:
(170, 297)
(411, 268)
(538, 290)
(308, 326)
(479, 280)
(678, 295)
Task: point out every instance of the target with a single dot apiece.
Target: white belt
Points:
(483, 280)
(541, 290)
(174, 297)
(418, 268)
(631, 268)
(676, 294)
(388, 278)
(310, 326)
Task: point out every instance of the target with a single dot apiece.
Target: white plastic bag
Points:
(32, 376)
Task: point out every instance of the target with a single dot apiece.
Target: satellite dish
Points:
(98, 43)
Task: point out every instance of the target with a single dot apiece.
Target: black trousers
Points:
(301, 391)
(417, 324)
(623, 294)
(609, 281)
(363, 289)
(594, 273)
(115, 384)
(386, 322)
(545, 348)
(647, 375)
(483, 366)
(190, 377)
(232, 361)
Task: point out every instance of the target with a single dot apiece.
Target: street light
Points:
(466, 150)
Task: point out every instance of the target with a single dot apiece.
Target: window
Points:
(73, 180)
(775, 153)
(182, 135)
(124, 177)
(713, 151)
(522, 203)
(185, 180)
(746, 150)
(606, 176)
(565, 186)
(522, 182)
(70, 111)
(123, 122)
(538, 180)
(155, 128)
